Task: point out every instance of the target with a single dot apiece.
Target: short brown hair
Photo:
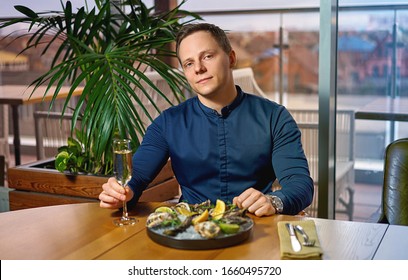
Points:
(217, 33)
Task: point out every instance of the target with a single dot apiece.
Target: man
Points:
(223, 143)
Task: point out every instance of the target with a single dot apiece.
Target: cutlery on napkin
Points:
(306, 253)
(296, 247)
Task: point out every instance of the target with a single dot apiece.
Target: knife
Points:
(293, 239)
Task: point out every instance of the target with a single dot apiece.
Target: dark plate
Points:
(221, 241)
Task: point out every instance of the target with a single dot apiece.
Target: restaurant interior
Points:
(339, 67)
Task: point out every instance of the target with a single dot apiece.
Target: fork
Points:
(306, 241)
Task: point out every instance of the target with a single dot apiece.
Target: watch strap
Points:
(276, 203)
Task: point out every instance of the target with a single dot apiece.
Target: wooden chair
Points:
(27, 111)
(51, 132)
(310, 137)
(153, 97)
(307, 121)
(244, 77)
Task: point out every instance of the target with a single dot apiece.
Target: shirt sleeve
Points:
(149, 158)
(290, 164)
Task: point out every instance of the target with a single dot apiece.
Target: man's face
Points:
(206, 66)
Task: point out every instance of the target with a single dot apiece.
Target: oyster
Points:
(157, 218)
(182, 227)
(183, 208)
(235, 216)
(201, 207)
(207, 229)
(184, 205)
(235, 212)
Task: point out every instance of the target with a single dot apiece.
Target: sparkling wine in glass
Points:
(122, 169)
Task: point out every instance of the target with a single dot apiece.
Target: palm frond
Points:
(104, 51)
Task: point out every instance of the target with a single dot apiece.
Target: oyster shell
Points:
(182, 227)
(201, 207)
(184, 205)
(157, 218)
(207, 229)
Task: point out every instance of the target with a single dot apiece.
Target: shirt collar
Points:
(227, 109)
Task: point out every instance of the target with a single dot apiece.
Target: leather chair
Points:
(394, 206)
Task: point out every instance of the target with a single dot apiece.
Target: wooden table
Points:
(85, 231)
(20, 95)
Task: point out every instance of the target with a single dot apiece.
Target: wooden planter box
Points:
(38, 184)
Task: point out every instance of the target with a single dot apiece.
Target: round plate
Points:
(221, 241)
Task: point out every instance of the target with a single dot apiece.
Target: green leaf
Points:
(104, 51)
(61, 161)
(26, 11)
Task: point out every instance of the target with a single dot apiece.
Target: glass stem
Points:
(125, 215)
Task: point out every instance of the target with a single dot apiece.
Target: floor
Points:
(367, 197)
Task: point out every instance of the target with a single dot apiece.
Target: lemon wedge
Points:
(219, 210)
(183, 211)
(201, 218)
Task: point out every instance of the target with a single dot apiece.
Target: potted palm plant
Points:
(105, 50)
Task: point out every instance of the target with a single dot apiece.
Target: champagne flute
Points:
(122, 169)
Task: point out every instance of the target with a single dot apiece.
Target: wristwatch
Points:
(276, 203)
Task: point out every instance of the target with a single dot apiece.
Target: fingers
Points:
(113, 205)
(255, 202)
(265, 209)
(242, 198)
(107, 201)
(247, 198)
(113, 195)
(113, 189)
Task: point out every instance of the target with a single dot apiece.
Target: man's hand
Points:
(255, 201)
(113, 195)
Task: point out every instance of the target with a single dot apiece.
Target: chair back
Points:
(51, 132)
(151, 100)
(395, 188)
(307, 120)
(244, 77)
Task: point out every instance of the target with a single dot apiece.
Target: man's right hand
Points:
(113, 195)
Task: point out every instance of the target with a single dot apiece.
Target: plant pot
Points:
(39, 184)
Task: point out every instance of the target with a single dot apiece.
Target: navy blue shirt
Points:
(218, 156)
